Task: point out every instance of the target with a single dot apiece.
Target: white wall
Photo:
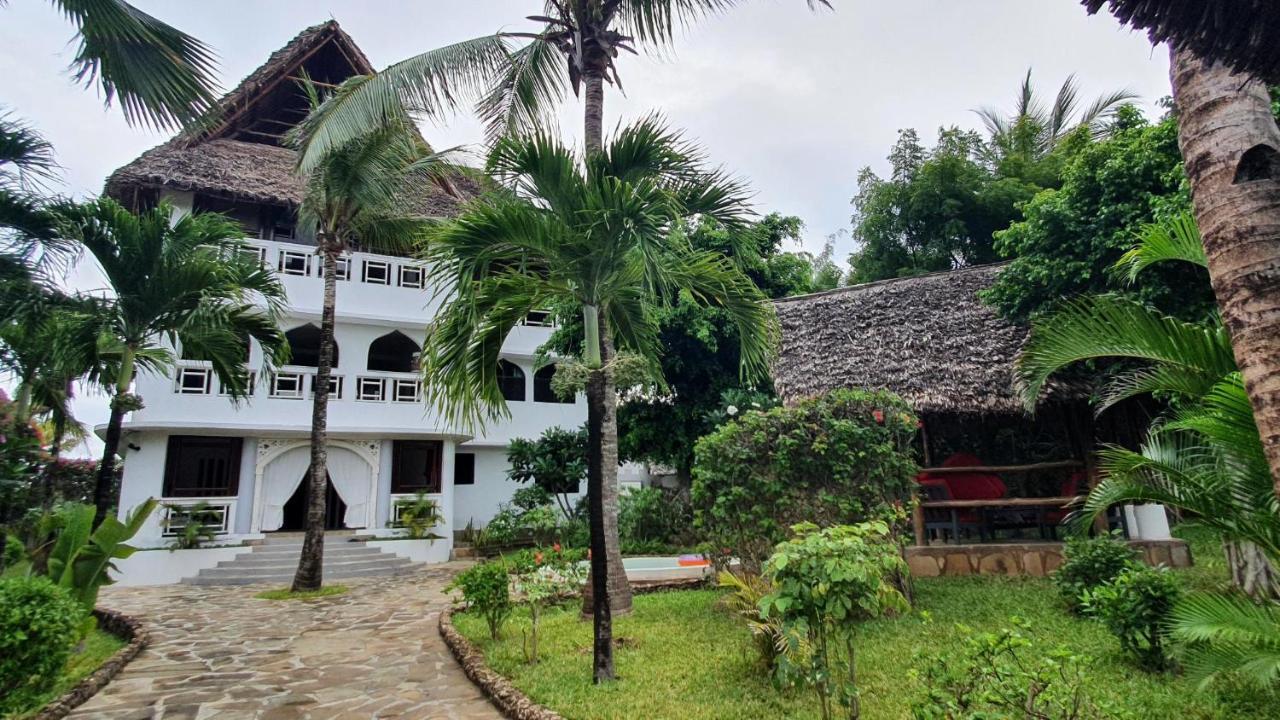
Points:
(166, 567)
(478, 503)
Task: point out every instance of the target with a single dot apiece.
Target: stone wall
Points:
(1037, 559)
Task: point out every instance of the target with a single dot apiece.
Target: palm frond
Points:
(1176, 238)
(161, 76)
(1103, 108)
(26, 157)
(524, 94)
(1111, 326)
(1228, 635)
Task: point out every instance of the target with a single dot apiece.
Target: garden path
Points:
(220, 653)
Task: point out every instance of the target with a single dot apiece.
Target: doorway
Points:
(295, 510)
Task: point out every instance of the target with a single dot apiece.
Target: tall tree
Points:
(184, 283)
(162, 76)
(592, 232)
(1219, 62)
(352, 197)
(517, 87)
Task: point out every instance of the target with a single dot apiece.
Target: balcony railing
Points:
(213, 514)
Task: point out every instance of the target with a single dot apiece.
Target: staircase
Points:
(276, 560)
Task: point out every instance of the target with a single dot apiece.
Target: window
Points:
(248, 215)
(415, 466)
(295, 263)
(342, 269)
(511, 381)
(394, 352)
(539, 318)
(542, 391)
(304, 346)
(194, 381)
(411, 277)
(254, 252)
(249, 385)
(335, 387)
(286, 385)
(377, 272)
(370, 388)
(464, 469)
(197, 466)
(406, 390)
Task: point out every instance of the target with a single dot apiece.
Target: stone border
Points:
(116, 624)
(504, 695)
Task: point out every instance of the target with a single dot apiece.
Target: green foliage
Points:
(556, 463)
(554, 574)
(418, 515)
(1135, 606)
(526, 560)
(1070, 237)
(39, 624)
(82, 557)
(194, 522)
(769, 634)
(486, 589)
(654, 515)
(839, 458)
(1001, 675)
(826, 582)
(938, 207)
(1229, 636)
(21, 456)
(1089, 563)
(528, 498)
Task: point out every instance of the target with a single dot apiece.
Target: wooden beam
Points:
(261, 134)
(313, 82)
(1029, 467)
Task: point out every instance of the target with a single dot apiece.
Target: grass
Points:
(96, 649)
(682, 657)
(287, 594)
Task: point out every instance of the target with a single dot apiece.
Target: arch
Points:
(542, 391)
(352, 475)
(304, 346)
(511, 381)
(394, 352)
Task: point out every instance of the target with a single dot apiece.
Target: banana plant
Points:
(82, 558)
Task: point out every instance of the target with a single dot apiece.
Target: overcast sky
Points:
(795, 102)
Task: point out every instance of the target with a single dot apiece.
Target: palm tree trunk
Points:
(593, 112)
(1251, 571)
(1231, 148)
(121, 403)
(619, 589)
(309, 575)
(597, 583)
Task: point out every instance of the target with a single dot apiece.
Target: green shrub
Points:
(555, 462)
(552, 575)
(419, 515)
(39, 624)
(769, 634)
(1089, 563)
(654, 517)
(841, 458)
(528, 498)
(1000, 675)
(486, 589)
(528, 559)
(825, 582)
(1135, 606)
(14, 551)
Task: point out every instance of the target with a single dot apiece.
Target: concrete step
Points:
(277, 562)
(345, 550)
(285, 578)
(252, 563)
(288, 568)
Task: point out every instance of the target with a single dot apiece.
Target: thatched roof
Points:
(927, 338)
(217, 160)
(1244, 34)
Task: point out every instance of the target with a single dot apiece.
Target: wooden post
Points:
(917, 519)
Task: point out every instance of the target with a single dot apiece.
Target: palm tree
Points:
(162, 76)
(184, 283)
(1034, 130)
(599, 233)
(28, 233)
(352, 196)
(1220, 68)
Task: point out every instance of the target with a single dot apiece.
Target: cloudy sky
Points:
(794, 101)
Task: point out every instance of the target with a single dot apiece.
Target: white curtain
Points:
(279, 481)
(351, 477)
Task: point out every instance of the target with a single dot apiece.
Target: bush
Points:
(837, 459)
(528, 559)
(39, 624)
(999, 675)
(552, 575)
(486, 589)
(528, 498)
(770, 636)
(1135, 607)
(654, 517)
(1089, 563)
(824, 583)
(555, 462)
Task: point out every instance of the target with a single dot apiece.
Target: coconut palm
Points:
(170, 283)
(28, 234)
(352, 196)
(161, 76)
(1033, 130)
(1220, 68)
(599, 233)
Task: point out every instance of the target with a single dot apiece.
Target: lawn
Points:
(96, 649)
(682, 657)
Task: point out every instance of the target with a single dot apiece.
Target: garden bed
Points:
(680, 656)
(104, 653)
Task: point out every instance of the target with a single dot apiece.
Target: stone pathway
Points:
(219, 652)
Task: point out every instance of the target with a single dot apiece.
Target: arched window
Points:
(511, 381)
(394, 352)
(542, 391)
(304, 346)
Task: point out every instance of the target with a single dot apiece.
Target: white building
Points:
(190, 444)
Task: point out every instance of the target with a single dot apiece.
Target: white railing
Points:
(358, 267)
(401, 500)
(215, 514)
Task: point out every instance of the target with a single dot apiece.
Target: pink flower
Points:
(879, 416)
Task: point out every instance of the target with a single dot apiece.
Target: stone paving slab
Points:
(218, 653)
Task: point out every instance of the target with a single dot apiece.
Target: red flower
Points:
(537, 558)
(879, 416)
(556, 547)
